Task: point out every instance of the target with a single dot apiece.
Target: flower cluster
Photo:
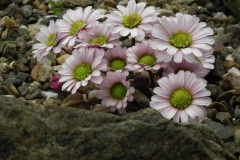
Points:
(176, 52)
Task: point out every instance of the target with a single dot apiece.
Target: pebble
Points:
(34, 91)
(41, 72)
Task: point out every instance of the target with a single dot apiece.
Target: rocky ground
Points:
(22, 77)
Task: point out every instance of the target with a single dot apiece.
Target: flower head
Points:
(134, 19)
(48, 39)
(99, 36)
(181, 97)
(116, 91)
(116, 59)
(195, 67)
(74, 22)
(143, 57)
(80, 68)
(55, 84)
(181, 37)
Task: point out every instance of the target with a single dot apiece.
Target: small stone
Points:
(225, 132)
(41, 72)
(10, 89)
(211, 112)
(110, 3)
(12, 34)
(34, 91)
(22, 31)
(10, 23)
(221, 116)
(52, 101)
(10, 10)
(4, 68)
(23, 89)
(62, 58)
(142, 100)
(23, 76)
(237, 112)
(26, 11)
(15, 82)
(18, 66)
(218, 106)
(215, 90)
(75, 101)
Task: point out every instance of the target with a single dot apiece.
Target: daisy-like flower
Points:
(76, 21)
(134, 19)
(143, 57)
(48, 39)
(181, 37)
(99, 36)
(195, 67)
(80, 68)
(116, 59)
(207, 59)
(116, 91)
(181, 97)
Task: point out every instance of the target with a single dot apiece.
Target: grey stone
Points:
(36, 132)
(10, 10)
(22, 31)
(12, 34)
(27, 11)
(15, 82)
(225, 132)
(211, 112)
(34, 90)
(233, 30)
(233, 6)
(215, 90)
(23, 76)
(23, 89)
(77, 3)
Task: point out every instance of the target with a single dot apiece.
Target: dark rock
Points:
(34, 90)
(12, 34)
(225, 132)
(233, 6)
(27, 11)
(224, 117)
(15, 82)
(23, 89)
(211, 112)
(215, 90)
(10, 10)
(233, 30)
(22, 76)
(38, 132)
(4, 3)
(22, 31)
(210, 7)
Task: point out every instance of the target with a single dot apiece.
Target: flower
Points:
(116, 91)
(143, 57)
(48, 39)
(116, 59)
(99, 36)
(74, 22)
(196, 67)
(80, 68)
(181, 97)
(55, 84)
(181, 37)
(134, 19)
(207, 59)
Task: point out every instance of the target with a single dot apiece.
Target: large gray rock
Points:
(34, 132)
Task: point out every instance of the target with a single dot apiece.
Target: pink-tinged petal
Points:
(184, 116)
(172, 50)
(66, 84)
(156, 105)
(204, 101)
(122, 9)
(178, 56)
(202, 93)
(75, 87)
(122, 110)
(65, 78)
(196, 52)
(168, 112)
(96, 79)
(159, 32)
(202, 46)
(186, 50)
(156, 45)
(202, 33)
(177, 116)
(145, 26)
(140, 7)
(140, 35)
(131, 7)
(207, 40)
(134, 32)
(124, 32)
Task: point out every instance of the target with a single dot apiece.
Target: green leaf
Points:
(51, 3)
(59, 4)
(57, 11)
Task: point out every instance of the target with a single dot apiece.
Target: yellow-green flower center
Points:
(118, 91)
(100, 40)
(76, 26)
(118, 64)
(181, 99)
(51, 40)
(132, 20)
(181, 39)
(82, 71)
(147, 60)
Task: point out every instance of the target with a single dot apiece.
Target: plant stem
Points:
(153, 84)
